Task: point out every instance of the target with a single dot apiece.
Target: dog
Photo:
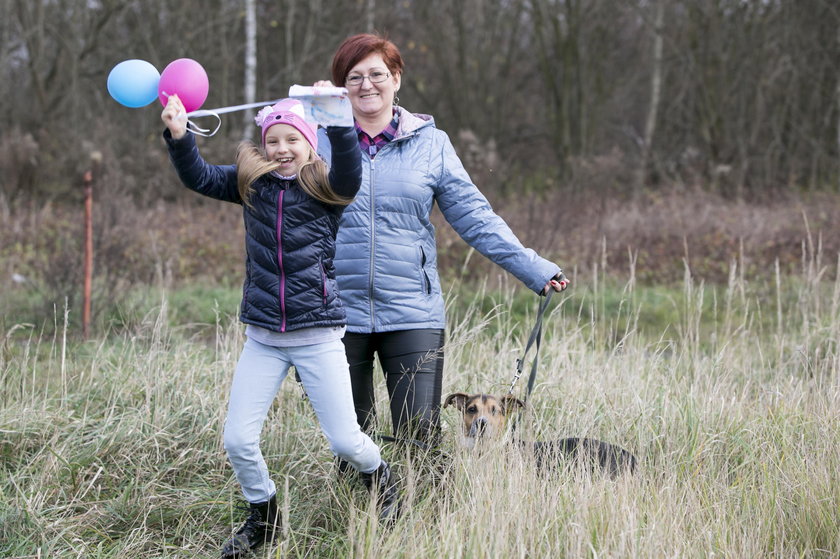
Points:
(485, 417)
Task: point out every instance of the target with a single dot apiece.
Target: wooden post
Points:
(95, 158)
(88, 252)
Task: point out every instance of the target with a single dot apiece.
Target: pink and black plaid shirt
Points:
(372, 145)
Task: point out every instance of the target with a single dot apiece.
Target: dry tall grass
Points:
(112, 448)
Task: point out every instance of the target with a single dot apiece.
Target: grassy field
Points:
(729, 396)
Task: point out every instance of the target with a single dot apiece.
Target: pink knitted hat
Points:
(287, 111)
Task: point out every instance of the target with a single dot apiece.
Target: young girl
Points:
(290, 304)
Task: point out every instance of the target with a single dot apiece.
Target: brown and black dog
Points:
(485, 417)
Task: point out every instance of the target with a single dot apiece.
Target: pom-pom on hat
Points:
(287, 111)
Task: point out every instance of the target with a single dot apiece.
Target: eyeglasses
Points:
(376, 76)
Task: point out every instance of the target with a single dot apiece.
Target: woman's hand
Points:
(174, 116)
(557, 283)
(323, 83)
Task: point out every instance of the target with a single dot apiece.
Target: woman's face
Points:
(371, 99)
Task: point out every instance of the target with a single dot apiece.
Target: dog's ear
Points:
(511, 404)
(457, 399)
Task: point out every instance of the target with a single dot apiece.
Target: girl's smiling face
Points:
(368, 98)
(286, 145)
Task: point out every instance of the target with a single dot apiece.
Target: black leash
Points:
(419, 444)
(385, 438)
(533, 340)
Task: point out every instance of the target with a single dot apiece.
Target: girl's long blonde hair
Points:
(313, 175)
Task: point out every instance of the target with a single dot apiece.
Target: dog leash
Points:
(533, 340)
(389, 439)
(385, 438)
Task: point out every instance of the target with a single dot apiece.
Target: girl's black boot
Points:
(261, 526)
(381, 483)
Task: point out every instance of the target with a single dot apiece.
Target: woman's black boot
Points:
(261, 526)
(343, 469)
(382, 484)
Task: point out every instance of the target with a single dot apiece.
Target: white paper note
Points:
(327, 106)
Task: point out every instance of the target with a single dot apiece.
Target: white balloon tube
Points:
(327, 106)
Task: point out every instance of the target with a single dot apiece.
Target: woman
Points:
(386, 260)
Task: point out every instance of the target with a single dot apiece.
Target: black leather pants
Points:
(412, 361)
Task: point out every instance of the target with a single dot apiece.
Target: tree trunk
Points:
(370, 11)
(655, 95)
(250, 66)
(837, 186)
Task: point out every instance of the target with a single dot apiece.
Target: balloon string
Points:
(223, 110)
(196, 129)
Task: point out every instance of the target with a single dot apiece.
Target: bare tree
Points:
(468, 68)
(734, 95)
(655, 93)
(250, 66)
(370, 16)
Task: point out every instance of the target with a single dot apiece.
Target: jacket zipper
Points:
(280, 261)
(372, 244)
(323, 280)
(373, 222)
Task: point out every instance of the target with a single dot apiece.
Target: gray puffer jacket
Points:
(386, 259)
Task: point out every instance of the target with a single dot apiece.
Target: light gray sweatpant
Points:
(324, 372)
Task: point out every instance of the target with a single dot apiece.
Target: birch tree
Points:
(250, 66)
(370, 16)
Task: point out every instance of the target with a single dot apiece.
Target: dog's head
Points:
(484, 416)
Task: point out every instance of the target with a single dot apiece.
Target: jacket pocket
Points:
(425, 282)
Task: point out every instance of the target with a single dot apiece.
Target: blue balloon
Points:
(133, 83)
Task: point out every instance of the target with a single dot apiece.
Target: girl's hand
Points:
(174, 116)
(323, 83)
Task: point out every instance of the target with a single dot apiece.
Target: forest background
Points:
(637, 135)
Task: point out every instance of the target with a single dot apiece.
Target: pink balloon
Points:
(187, 78)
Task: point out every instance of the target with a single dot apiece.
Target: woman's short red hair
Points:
(358, 47)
